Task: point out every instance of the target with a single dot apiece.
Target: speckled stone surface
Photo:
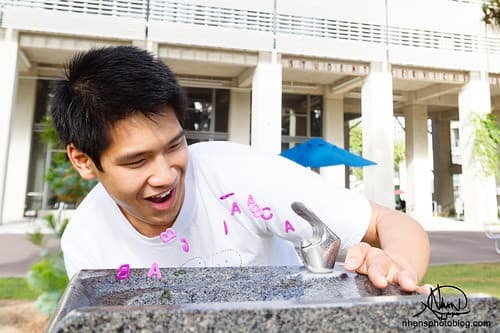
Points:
(246, 299)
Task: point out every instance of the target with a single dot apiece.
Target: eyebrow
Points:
(134, 155)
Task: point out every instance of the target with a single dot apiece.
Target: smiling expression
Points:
(144, 170)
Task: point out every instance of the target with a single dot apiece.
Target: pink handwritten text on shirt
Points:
(168, 235)
(235, 208)
(154, 271)
(185, 245)
(225, 196)
(123, 272)
(289, 226)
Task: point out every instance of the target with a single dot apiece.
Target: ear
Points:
(81, 162)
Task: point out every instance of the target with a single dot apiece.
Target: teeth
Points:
(161, 196)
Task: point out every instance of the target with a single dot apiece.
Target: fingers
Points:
(356, 257)
(380, 268)
(406, 280)
(424, 290)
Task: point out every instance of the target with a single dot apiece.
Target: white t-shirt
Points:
(237, 200)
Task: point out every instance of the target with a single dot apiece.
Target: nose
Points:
(163, 173)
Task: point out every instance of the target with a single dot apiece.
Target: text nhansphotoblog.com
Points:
(446, 323)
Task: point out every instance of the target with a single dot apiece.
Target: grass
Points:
(16, 288)
(471, 278)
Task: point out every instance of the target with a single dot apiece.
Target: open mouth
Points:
(160, 198)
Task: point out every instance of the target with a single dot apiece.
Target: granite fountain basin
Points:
(239, 299)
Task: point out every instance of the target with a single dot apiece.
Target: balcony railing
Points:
(121, 8)
(187, 13)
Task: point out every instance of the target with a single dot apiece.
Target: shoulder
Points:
(209, 148)
(230, 154)
(89, 216)
(95, 201)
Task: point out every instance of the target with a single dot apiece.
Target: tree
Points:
(487, 143)
(63, 180)
(356, 146)
(491, 11)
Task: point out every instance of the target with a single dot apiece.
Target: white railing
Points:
(443, 40)
(478, 2)
(188, 13)
(329, 28)
(356, 31)
(121, 8)
(253, 20)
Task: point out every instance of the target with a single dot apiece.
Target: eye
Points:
(135, 164)
(177, 145)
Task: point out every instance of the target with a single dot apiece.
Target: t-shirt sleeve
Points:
(73, 257)
(80, 234)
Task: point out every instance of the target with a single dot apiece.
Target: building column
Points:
(378, 135)
(8, 84)
(443, 178)
(266, 104)
(418, 166)
(477, 190)
(19, 151)
(333, 132)
(239, 117)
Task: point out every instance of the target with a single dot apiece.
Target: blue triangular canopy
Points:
(316, 153)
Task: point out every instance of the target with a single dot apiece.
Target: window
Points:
(301, 118)
(207, 114)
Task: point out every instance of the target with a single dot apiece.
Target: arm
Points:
(395, 249)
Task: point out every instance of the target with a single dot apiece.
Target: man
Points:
(120, 114)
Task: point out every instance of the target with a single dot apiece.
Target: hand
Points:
(381, 268)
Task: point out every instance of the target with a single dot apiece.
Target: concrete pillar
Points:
(8, 84)
(378, 135)
(477, 190)
(333, 131)
(443, 178)
(418, 166)
(19, 152)
(266, 104)
(239, 117)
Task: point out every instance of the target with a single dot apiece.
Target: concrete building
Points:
(271, 73)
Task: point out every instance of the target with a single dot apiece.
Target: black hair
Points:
(105, 85)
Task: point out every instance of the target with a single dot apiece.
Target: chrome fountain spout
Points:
(319, 252)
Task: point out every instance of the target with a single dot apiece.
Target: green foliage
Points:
(16, 288)
(356, 146)
(399, 154)
(36, 238)
(48, 276)
(486, 142)
(49, 134)
(63, 179)
(491, 11)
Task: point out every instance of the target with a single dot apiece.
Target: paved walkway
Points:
(451, 242)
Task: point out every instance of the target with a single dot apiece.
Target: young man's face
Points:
(144, 170)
